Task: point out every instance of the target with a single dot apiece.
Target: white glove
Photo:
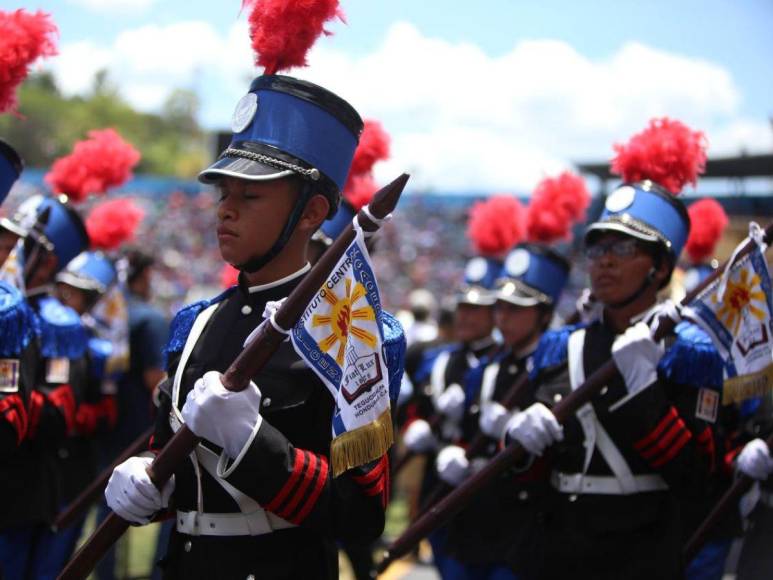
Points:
(452, 465)
(224, 417)
(636, 356)
(535, 428)
(131, 494)
(418, 437)
(755, 460)
(493, 418)
(451, 402)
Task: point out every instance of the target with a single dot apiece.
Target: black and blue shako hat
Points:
(532, 274)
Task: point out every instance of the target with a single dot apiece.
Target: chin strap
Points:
(648, 281)
(254, 264)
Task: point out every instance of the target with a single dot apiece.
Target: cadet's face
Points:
(473, 322)
(615, 278)
(516, 323)
(251, 215)
(7, 242)
(72, 297)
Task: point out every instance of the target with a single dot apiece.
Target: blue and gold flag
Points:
(737, 313)
(340, 337)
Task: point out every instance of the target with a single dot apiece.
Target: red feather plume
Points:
(667, 152)
(556, 205)
(112, 223)
(359, 190)
(102, 161)
(707, 223)
(496, 225)
(373, 147)
(24, 37)
(229, 276)
(283, 31)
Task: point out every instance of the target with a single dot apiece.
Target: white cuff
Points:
(223, 469)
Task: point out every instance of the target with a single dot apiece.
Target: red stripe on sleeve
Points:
(319, 484)
(658, 431)
(274, 504)
(307, 477)
(373, 474)
(13, 408)
(37, 400)
(664, 443)
(675, 448)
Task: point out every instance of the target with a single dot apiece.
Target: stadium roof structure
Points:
(733, 168)
(727, 167)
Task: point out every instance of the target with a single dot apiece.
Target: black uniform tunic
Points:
(497, 527)
(613, 535)
(285, 469)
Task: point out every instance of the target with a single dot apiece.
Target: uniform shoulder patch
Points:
(60, 330)
(183, 321)
(692, 359)
(17, 322)
(552, 348)
(428, 359)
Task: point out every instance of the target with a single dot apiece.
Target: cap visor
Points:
(476, 298)
(243, 169)
(517, 299)
(600, 227)
(13, 227)
(80, 282)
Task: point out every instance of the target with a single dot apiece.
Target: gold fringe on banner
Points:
(738, 389)
(366, 443)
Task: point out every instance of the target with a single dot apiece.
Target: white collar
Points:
(275, 283)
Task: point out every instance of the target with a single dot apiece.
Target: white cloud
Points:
(460, 119)
(121, 6)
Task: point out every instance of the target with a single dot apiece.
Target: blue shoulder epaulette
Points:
(473, 378)
(692, 359)
(428, 358)
(183, 321)
(17, 322)
(394, 352)
(100, 351)
(552, 348)
(60, 330)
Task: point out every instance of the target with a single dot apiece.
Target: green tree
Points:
(48, 124)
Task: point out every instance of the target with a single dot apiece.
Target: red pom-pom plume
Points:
(496, 225)
(708, 221)
(102, 161)
(112, 223)
(372, 148)
(229, 276)
(24, 38)
(556, 205)
(667, 152)
(283, 31)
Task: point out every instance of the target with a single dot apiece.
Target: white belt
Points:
(580, 483)
(234, 524)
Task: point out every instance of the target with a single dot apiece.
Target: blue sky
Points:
(708, 62)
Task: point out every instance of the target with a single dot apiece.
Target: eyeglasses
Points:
(619, 248)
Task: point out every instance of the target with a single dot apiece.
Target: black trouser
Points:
(281, 555)
(599, 541)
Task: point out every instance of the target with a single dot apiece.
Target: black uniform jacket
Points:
(285, 469)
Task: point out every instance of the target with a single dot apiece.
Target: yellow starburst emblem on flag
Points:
(344, 313)
(743, 293)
